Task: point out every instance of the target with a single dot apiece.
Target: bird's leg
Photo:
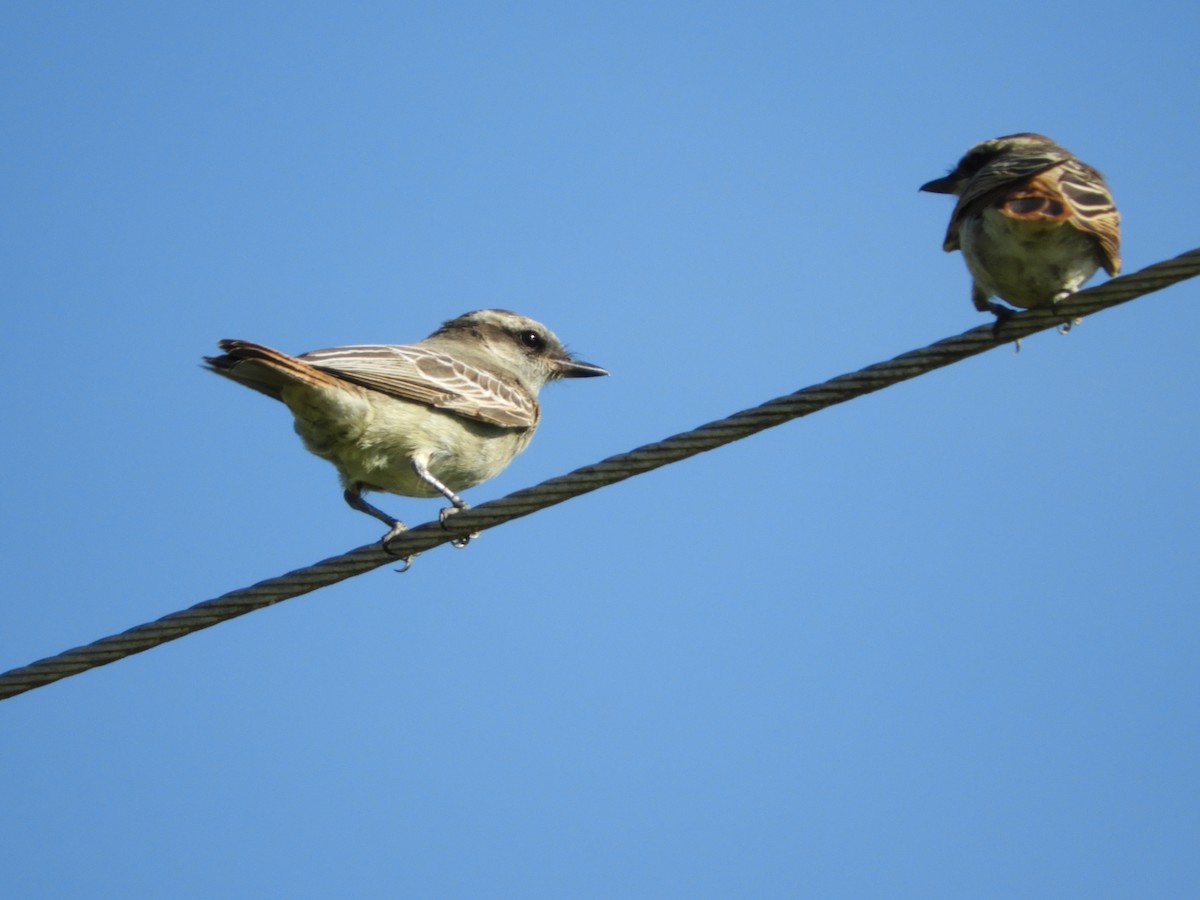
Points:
(355, 499)
(425, 475)
(1070, 323)
(1002, 314)
(999, 310)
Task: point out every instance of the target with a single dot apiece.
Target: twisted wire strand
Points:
(589, 478)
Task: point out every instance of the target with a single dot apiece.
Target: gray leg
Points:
(1065, 327)
(355, 499)
(999, 310)
(425, 475)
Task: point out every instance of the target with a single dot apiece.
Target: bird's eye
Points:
(531, 339)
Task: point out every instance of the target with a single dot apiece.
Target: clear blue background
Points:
(937, 642)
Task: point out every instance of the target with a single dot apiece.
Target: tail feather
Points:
(263, 369)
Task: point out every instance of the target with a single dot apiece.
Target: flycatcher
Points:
(419, 420)
(1033, 221)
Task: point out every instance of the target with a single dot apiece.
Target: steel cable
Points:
(589, 478)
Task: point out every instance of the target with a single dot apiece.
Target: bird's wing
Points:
(1093, 211)
(420, 375)
(996, 179)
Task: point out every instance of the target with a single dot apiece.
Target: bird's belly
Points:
(374, 441)
(1027, 264)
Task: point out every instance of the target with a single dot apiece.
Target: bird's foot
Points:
(398, 528)
(445, 515)
(1066, 326)
(1002, 314)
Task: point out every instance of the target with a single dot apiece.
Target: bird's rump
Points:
(265, 370)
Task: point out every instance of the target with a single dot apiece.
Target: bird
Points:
(1033, 222)
(418, 420)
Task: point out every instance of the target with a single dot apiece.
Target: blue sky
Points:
(937, 642)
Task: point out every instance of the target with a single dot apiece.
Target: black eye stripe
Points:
(531, 339)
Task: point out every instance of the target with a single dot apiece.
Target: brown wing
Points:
(1092, 210)
(995, 180)
(1039, 200)
(412, 372)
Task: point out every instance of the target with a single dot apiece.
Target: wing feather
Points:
(1093, 211)
(995, 180)
(417, 374)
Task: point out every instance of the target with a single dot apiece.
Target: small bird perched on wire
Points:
(419, 420)
(1033, 222)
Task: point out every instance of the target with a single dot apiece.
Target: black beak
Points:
(947, 185)
(573, 368)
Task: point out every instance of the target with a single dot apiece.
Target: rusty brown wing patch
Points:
(992, 184)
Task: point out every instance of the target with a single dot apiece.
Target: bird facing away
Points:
(1033, 222)
(419, 420)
